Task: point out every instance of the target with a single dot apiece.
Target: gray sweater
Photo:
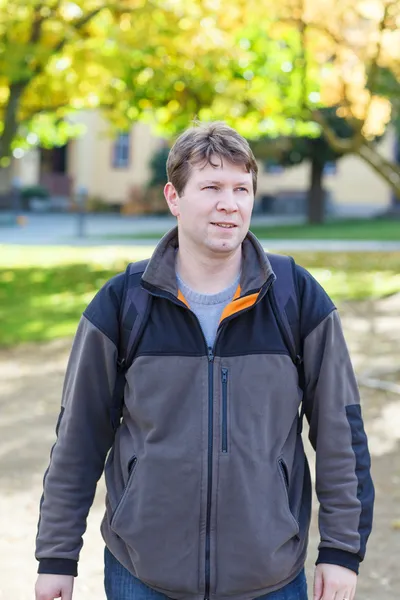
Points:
(208, 308)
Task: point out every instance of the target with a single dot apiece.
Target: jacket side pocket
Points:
(284, 473)
(131, 471)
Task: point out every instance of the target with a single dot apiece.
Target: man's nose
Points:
(227, 201)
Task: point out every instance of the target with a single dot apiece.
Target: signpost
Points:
(82, 194)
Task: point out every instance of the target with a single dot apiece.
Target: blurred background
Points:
(92, 96)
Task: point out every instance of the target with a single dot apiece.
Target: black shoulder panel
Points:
(103, 311)
(315, 303)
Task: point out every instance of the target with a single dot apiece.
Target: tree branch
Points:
(36, 31)
(77, 26)
(80, 24)
(340, 145)
(42, 110)
(381, 165)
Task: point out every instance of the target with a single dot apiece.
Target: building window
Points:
(121, 151)
(330, 168)
(272, 167)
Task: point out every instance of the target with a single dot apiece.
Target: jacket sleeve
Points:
(332, 406)
(84, 436)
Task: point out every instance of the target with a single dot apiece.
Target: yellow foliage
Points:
(182, 58)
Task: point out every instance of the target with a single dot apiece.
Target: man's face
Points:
(215, 207)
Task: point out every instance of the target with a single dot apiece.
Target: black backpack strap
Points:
(285, 302)
(134, 312)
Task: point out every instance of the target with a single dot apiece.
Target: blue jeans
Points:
(120, 584)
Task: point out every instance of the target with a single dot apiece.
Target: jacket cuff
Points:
(58, 566)
(333, 556)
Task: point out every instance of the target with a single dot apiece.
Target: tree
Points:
(305, 58)
(316, 150)
(41, 66)
(298, 58)
(278, 75)
(359, 41)
(58, 57)
(267, 72)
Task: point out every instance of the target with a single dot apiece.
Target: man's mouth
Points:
(225, 225)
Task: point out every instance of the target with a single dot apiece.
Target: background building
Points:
(111, 169)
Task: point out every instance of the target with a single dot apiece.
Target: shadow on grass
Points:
(39, 303)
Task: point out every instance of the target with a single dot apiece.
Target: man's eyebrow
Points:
(217, 182)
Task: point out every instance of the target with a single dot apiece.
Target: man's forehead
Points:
(219, 169)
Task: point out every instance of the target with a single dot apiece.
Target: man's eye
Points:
(242, 189)
(211, 187)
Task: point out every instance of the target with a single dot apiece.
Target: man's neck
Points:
(208, 274)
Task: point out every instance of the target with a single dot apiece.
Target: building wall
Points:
(91, 160)
(27, 169)
(81, 157)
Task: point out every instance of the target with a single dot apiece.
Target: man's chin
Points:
(222, 247)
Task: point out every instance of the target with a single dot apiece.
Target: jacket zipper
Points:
(210, 355)
(209, 468)
(224, 377)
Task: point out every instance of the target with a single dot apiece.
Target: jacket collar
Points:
(160, 271)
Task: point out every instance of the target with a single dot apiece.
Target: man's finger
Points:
(66, 594)
(318, 585)
(343, 595)
(329, 593)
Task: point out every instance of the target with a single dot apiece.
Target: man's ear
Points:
(171, 196)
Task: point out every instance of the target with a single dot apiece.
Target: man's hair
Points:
(202, 144)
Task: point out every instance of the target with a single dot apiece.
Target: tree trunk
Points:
(5, 179)
(11, 119)
(316, 194)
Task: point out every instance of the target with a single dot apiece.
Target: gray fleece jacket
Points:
(208, 486)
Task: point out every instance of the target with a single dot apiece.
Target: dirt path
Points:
(31, 381)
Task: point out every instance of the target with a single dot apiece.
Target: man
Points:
(208, 488)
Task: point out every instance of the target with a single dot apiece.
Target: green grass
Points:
(352, 229)
(377, 229)
(43, 290)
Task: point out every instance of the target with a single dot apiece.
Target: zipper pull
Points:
(224, 375)
(210, 354)
(121, 362)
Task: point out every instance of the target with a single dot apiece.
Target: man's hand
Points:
(332, 582)
(49, 587)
